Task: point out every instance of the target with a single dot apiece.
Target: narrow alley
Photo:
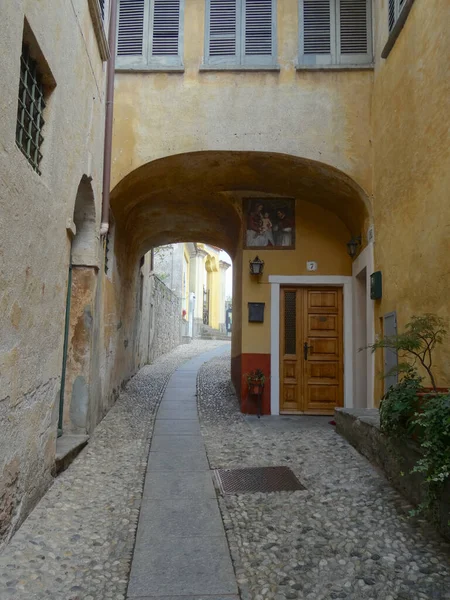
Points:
(347, 535)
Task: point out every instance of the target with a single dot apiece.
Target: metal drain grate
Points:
(263, 479)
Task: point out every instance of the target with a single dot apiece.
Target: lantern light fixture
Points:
(256, 266)
(353, 245)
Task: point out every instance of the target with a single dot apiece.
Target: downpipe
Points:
(109, 109)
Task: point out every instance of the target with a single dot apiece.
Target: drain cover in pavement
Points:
(264, 479)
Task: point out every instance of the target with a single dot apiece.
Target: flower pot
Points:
(255, 388)
(431, 392)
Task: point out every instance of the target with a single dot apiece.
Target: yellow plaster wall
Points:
(320, 237)
(411, 169)
(321, 115)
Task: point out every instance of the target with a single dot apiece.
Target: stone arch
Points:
(198, 195)
(85, 241)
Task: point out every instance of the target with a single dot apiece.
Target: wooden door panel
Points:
(323, 349)
(321, 397)
(315, 384)
(289, 400)
(322, 372)
(323, 299)
(290, 368)
(322, 325)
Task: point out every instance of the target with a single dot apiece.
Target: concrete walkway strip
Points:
(181, 551)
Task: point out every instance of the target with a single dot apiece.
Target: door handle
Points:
(305, 350)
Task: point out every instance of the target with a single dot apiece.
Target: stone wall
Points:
(160, 328)
(361, 427)
(36, 226)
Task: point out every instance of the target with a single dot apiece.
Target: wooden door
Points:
(311, 352)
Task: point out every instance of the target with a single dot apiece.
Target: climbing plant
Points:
(415, 344)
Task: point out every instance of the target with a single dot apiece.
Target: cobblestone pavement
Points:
(77, 543)
(348, 535)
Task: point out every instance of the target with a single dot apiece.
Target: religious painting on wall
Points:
(270, 223)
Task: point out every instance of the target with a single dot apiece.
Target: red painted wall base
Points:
(240, 366)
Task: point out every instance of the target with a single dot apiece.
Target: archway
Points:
(200, 196)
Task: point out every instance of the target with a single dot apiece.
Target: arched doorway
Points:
(79, 334)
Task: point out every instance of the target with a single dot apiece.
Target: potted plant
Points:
(255, 381)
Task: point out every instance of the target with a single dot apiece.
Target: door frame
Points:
(365, 260)
(276, 281)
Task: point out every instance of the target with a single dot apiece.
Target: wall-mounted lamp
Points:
(353, 245)
(256, 266)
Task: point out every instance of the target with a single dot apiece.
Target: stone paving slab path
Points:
(181, 549)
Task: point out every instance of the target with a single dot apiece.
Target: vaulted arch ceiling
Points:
(198, 196)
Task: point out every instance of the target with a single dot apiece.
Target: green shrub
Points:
(433, 419)
(399, 405)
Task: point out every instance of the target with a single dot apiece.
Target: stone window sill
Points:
(368, 67)
(205, 68)
(397, 28)
(97, 21)
(151, 69)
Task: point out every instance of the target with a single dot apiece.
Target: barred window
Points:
(30, 109)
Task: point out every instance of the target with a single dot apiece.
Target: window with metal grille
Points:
(30, 120)
(394, 12)
(150, 34)
(335, 32)
(240, 33)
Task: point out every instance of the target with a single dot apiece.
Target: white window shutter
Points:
(223, 24)
(130, 35)
(258, 31)
(354, 32)
(166, 28)
(317, 32)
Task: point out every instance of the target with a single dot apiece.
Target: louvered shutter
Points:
(132, 32)
(166, 27)
(395, 8)
(353, 32)
(392, 17)
(258, 32)
(223, 43)
(317, 32)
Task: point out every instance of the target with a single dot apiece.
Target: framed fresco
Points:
(270, 223)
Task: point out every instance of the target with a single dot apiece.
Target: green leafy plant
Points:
(399, 405)
(256, 377)
(415, 345)
(434, 422)
(406, 412)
